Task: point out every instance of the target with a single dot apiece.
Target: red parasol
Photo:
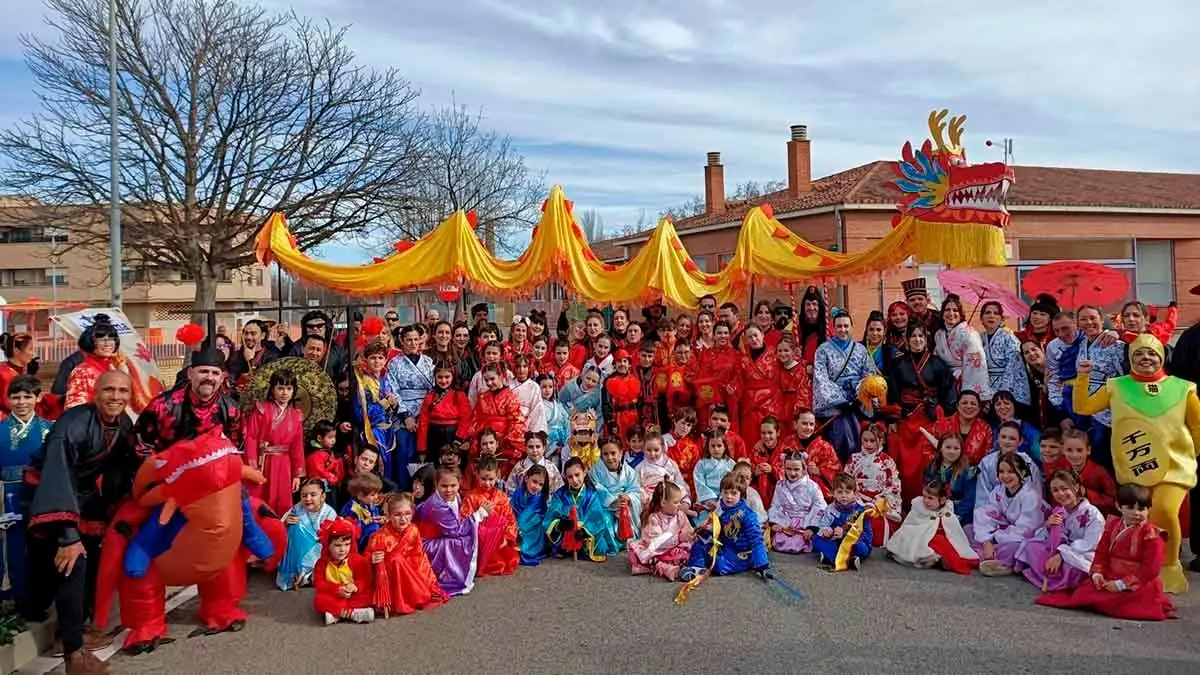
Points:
(1076, 283)
(976, 290)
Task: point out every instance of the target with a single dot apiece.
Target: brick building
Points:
(1145, 224)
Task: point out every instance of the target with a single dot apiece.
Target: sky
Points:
(619, 100)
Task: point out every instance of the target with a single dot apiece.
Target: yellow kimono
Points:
(1155, 436)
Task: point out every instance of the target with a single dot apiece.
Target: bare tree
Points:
(592, 225)
(744, 191)
(470, 167)
(227, 113)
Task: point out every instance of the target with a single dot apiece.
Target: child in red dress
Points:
(342, 578)
(767, 451)
(273, 434)
(404, 579)
(321, 461)
(1125, 580)
(445, 416)
(823, 463)
(683, 446)
(499, 545)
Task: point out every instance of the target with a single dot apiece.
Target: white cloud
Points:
(619, 100)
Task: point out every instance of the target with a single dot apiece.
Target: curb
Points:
(27, 646)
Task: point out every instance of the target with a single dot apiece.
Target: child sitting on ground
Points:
(342, 578)
(450, 539)
(404, 579)
(529, 504)
(498, 552)
(932, 535)
(576, 520)
(796, 498)
(303, 523)
(832, 524)
(619, 488)
(666, 537)
(738, 548)
(363, 506)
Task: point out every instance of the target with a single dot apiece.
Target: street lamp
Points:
(114, 185)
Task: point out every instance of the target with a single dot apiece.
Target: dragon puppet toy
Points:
(188, 522)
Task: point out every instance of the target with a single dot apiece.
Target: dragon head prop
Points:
(958, 208)
(938, 184)
(191, 470)
(583, 429)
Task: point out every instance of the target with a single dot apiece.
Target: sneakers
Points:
(688, 573)
(84, 662)
(330, 619)
(365, 615)
(855, 562)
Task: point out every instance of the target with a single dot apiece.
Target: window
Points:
(1155, 271)
(930, 274)
(128, 275)
(1053, 250)
(723, 261)
(22, 277)
(56, 276)
(701, 263)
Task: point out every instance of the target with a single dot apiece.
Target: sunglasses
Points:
(392, 318)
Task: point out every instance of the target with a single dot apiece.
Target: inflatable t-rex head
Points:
(938, 185)
(191, 470)
(583, 429)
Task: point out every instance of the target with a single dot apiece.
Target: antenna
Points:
(1007, 144)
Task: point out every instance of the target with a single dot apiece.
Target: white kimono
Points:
(962, 349)
(1081, 531)
(529, 394)
(650, 475)
(986, 479)
(909, 545)
(794, 502)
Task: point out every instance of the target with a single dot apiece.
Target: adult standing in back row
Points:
(410, 376)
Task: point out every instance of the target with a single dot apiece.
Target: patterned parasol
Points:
(314, 389)
(975, 291)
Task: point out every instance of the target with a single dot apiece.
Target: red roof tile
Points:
(1035, 186)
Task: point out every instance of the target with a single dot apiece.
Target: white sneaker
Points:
(330, 619)
(365, 615)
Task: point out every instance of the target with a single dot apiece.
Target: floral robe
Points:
(1006, 366)
(962, 349)
(876, 476)
(410, 382)
(837, 372)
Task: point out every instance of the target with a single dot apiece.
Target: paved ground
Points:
(589, 618)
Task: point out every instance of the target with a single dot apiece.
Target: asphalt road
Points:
(596, 618)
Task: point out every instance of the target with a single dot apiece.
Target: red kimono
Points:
(81, 383)
(578, 355)
(621, 400)
(1026, 334)
(562, 374)
(500, 411)
(978, 441)
(273, 440)
(795, 392)
(714, 375)
(509, 352)
(355, 569)
(672, 383)
(404, 581)
(323, 464)
(663, 350)
(821, 453)
(1132, 555)
(499, 547)
(648, 406)
(1100, 486)
(765, 482)
(760, 393)
(448, 413)
(686, 452)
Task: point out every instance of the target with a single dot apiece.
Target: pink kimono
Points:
(664, 545)
(274, 442)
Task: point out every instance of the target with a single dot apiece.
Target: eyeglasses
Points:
(393, 319)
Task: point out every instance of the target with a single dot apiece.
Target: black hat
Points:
(208, 357)
(1045, 303)
(479, 307)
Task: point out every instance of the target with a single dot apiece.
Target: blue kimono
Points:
(962, 489)
(595, 524)
(1006, 366)
(741, 548)
(363, 515)
(634, 458)
(410, 382)
(707, 478)
(18, 442)
(303, 547)
(843, 516)
(612, 485)
(530, 511)
(839, 367)
(558, 430)
(379, 425)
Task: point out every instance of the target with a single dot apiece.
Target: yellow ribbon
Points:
(714, 522)
(842, 563)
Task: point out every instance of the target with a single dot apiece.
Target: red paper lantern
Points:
(449, 292)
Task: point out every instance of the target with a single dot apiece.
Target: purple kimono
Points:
(450, 541)
(1007, 520)
(1075, 541)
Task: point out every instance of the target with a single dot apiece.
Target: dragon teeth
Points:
(200, 461)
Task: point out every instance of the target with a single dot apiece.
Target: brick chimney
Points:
(799, 156)
(714, 184)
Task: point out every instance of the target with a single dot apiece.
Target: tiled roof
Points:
(1035, 186)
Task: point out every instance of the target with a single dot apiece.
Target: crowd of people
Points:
(692, 444)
